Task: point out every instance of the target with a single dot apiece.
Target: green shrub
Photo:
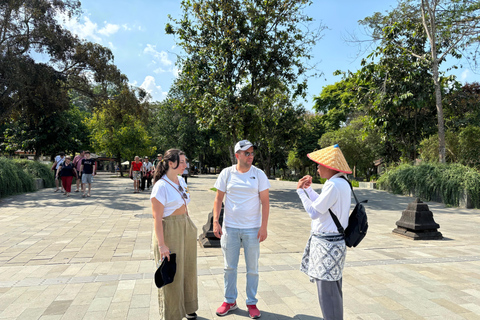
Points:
(433, 181)
(37, 170)
(13, 179)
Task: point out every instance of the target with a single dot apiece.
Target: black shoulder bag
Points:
(357, 222)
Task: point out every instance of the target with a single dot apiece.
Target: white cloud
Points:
(112, 46)
(175, 72)
(151, 87)
(84, 28)
(109, 29)
(465, 75)
(160, 70)
(160, 56)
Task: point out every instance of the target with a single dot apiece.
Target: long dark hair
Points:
(172, 155)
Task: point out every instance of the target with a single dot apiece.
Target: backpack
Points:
(357, 222)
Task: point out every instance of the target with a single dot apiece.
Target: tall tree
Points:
(48, 134)
(118, 127)
(236, 51)
(450, 26)
(32, 88)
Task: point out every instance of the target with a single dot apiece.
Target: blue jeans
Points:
(232, 239)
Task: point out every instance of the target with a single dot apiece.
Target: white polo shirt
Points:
(242, 198)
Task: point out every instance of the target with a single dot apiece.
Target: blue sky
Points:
(134, 31)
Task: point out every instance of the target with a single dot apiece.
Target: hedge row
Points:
(434, 182)
(18, 176)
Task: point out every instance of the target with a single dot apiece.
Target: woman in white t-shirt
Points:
(174, 232)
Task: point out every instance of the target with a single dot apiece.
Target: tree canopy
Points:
(238, 54)
(31, 88)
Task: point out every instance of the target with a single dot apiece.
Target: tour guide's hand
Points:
(307, 183)
(262, 234)
(217, 229)
(301, 182)
(164, 252)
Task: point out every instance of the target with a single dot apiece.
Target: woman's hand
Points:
(164, 252)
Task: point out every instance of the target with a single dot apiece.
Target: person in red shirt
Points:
(136, 173)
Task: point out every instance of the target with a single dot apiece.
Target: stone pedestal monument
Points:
(417, 223)
(207, 239)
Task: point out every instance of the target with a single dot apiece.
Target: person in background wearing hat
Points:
(174, 232)
(66, 171)
(157, 161)
(324, 255)
(147, 168)
(88, 169)
(245, 222)
(136, 173)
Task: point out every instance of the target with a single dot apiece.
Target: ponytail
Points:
(172, 155)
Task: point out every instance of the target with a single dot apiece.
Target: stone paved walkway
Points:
(75, 258)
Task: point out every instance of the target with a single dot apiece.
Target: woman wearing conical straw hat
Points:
(324, 255)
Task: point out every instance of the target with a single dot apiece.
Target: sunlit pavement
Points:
(90, 258)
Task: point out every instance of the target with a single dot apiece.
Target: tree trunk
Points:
(231, 151)
(119, 159)
(441, 122)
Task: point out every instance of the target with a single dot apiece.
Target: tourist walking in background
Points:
(174, 232)
(324, 256)
(66, 171)
(245, 220)
(88, 170)
(147, 173)
(77, 162)
(136, 173)
(58, 161)
(186, 171)
(157, 161)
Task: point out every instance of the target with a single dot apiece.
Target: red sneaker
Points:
(253, 311)
(226, 308)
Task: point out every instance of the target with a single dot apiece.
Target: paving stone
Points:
(91, 259)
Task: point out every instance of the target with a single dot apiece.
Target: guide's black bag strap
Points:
(334, 217)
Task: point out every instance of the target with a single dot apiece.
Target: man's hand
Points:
(217, 229)
(262, 234)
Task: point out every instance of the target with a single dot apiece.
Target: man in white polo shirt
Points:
(245, 222)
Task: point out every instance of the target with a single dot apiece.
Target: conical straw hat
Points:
(332, 158)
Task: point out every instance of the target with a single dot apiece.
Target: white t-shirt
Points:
(148, 166)
(242, 199)
(168, 195)
(59, 160)
(336, 195)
